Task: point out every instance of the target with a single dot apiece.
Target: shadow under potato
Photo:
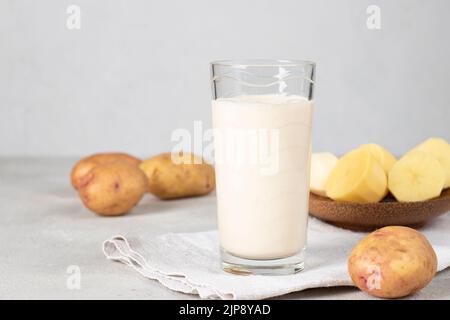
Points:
(151, 204)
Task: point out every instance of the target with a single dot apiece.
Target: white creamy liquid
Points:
(262, 201)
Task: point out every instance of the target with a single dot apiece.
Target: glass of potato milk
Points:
(262, 112)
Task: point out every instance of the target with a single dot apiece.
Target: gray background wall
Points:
(139, 69)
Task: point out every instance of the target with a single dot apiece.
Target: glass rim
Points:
(240, 63)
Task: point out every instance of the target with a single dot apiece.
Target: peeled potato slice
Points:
(417, 176)
(440, 149)
(357, 177)
(384, 157)
(321, 165)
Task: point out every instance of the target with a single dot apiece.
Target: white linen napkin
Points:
(189, 262)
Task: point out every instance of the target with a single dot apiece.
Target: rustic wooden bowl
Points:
(370, 216)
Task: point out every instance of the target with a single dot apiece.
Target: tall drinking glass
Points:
(262, 112)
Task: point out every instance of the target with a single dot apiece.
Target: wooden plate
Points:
(370, 216)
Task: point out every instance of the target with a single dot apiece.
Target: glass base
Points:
(242, 266)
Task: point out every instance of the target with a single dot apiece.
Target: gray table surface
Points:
(45, 229)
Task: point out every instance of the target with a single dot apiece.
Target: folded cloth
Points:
(190, 262)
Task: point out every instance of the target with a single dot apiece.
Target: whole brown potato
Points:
(84, 165)
(169, 180)
(112, 188)
(392, 262)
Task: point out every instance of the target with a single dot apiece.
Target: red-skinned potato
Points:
(83, 166)
(113, 188)
(392, 262)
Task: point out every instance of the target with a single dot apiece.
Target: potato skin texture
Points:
(112, 188)
(169, 180)
(83, 166)
(392, 262)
